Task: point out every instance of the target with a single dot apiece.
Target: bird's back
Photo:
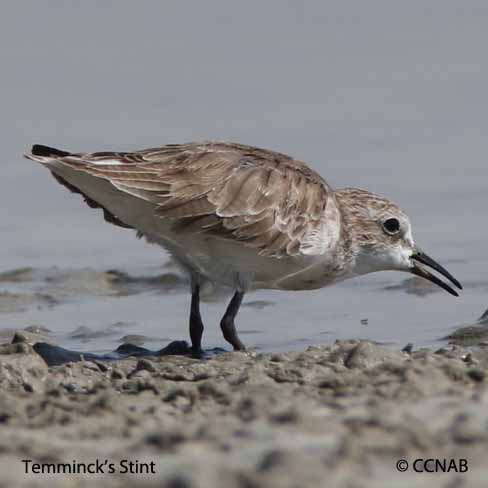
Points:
(255, 199)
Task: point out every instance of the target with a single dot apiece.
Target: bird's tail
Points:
(42, 153)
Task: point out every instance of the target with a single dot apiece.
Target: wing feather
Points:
(264, 199)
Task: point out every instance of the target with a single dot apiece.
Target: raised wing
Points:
(261, 198)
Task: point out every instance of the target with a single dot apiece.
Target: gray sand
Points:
(334, 415)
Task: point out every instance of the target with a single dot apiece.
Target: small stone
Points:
(277, 358)
(271, 460)
(368, 355)
(101, 366)
(408, 348)
(19, 337)
(117, 374)
(17, 348)
(8, 409)
(165, 441)
(178, 481)
(288, 416)
(146, 365)
(477, 374)
(466, 429)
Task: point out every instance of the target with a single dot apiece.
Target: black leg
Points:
(227, 323)
(196, 324)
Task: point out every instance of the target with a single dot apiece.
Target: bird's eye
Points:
(391, 226)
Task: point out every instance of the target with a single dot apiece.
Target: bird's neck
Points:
(348, 246)
(357, 257)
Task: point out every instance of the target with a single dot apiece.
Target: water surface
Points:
(388, 97)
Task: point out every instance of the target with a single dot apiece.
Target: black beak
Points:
(428, 261)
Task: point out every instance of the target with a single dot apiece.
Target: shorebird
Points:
(243, 217)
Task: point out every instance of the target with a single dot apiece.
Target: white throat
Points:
(396, 257)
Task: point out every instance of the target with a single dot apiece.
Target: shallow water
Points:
(386, 97)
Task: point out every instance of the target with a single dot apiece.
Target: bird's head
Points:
(382, 238)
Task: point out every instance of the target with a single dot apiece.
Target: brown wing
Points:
(264, 199)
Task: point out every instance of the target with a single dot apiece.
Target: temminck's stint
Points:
(243, 217)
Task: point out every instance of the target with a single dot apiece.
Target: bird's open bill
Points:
(424, 273)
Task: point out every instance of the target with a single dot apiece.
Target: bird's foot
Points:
(197, 353)
(239, 347)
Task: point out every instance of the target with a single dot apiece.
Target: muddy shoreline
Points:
(334, 415)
